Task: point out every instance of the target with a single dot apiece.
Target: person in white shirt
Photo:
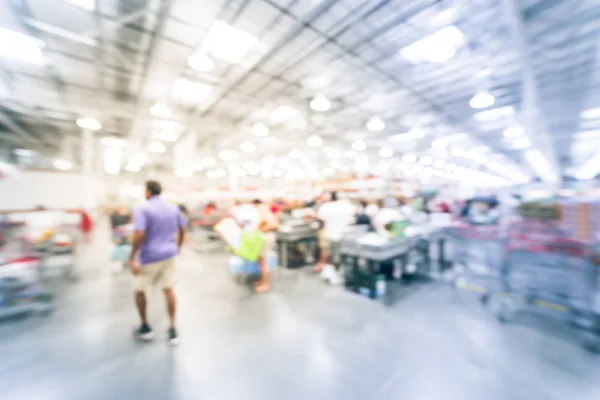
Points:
(336, 216)
(388, 213)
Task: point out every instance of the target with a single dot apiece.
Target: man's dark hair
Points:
(334, 196)
(256, 202)
(154, 188)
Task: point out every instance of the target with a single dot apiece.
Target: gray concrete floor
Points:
(304, 340)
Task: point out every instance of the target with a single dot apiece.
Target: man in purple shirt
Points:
(159, 234)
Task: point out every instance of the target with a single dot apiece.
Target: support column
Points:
(87, 168)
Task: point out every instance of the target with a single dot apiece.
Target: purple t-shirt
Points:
(160, 221)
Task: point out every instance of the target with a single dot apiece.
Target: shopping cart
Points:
(545, 269)
(477, 254)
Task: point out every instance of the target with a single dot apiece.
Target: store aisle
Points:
(302, 341)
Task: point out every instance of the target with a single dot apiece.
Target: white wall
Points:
(53, 190)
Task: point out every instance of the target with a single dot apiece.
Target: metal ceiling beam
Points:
(535, 125)
(17, 129)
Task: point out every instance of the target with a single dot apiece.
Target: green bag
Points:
(251, 246)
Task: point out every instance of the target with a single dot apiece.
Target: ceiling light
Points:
(132, 167)
(484, 73)
(426, 160)
(112, 168)
(199, 167)
(201, 63)
(521, 143)
(17, 46)
(228, 43)
(482, 100)
(439, 163)
(328, 172)
(184, 172)
(209, 162)
(157, 147)
(332, 153)
(260, 129)
(282, 114)
(320, 103)
(295, 154)
(350, 153)
(375, 124)
(160, 110)
(284, 162)
(212, 174)
(87, 5)
(269, 160)
(190, 93)
(438, 47)
(89, 123)
(438, 144)
(314, 141)
(386, 152)
(316, 82)
(168, 136)
(540, 165)
(513, 131)
(359, 145)
(113, 141)
(592, 113)
(409, 158)
(248, 147)
(137, 159)
(227, 155)
(63, 165)
(480, 159)
(335, 164)
(494, 114)
(277, 173)
(457, 151)
(25, 152)
(416, 133)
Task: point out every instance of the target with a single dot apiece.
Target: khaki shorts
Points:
(269, 243)
(160, 273)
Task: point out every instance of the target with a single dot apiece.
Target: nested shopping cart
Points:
(545, 269)
(477, 254)
(204, 237)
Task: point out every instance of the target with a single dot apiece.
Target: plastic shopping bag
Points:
(250, 246)
(121, 253)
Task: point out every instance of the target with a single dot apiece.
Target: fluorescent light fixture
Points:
(438, 144)
(189, 92)
(494, 114)
(228, 43)
(409, 158)
(184, 172)
(201, 63)
(426, 160)
(19, 47)
(386, 152)
(316, 82)
(284, 162)
(25, 152)
(590, 169)
(320, 103)
(521, 143)
(160, 110)
(592, 113)
(416, 133)
(457, 151)
(87, 5)
(89, 123)
(540, 165)
(260, 129)
(157, 147)
(314, 141)
(438, 47)
(113, 141)
(63, 165)
(482, 100)
(209, 162)
(227, 155)
(168, 136)
(296, 154)
(248, 147)
(513, 131)
(359, 145)
(375, 124)
(283, 114)
(133, 167)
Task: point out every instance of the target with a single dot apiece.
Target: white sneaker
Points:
(327, 272)
(336, 279)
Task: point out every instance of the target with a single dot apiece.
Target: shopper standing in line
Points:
(268, 225)
(159, 234)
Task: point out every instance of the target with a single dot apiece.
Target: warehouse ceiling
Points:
(504, 87)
